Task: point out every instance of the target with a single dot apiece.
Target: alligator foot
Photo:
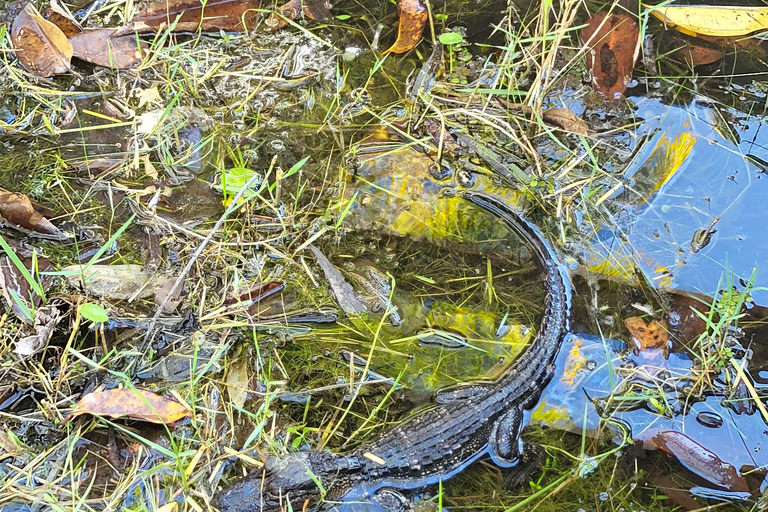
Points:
(505, 444)
(532, 458)
(390, 500)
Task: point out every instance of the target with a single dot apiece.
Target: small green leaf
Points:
(93, 312)
(448, 38)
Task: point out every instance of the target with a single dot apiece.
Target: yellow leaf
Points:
(710, 20)
(132, 403)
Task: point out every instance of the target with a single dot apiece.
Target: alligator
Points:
(465, 422)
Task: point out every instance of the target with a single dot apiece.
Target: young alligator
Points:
(466, 422)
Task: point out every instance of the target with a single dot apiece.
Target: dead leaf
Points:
(614, 43)
(318, 10)
(442, 138)
(698, 55)
(98, 164)
(149, 96)
(251, 299)
(119, 282)
(18, 209)
(698, 459)
(194, 15)
(237, 383)
(567, 120)
(41, 46)
(15, 290)
(46, 320)
(645, 336)
(10, 445)
(413, 17)
(57, 15)
(711, 20)
(100, 48)
(131, 403)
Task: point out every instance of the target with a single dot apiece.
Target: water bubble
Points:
(276, 145)
(350, 53)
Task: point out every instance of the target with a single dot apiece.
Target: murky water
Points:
(674, 202)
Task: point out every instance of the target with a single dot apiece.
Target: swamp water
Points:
(448, 296)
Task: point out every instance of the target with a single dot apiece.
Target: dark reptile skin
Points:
(439, 441)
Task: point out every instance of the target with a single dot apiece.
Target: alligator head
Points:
(296, 478)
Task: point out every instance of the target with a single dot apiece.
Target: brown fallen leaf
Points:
(318, 10)
(645, 336)
(250, 300)
(16, 290)
(41, 46)
(194, 15)
(413, 17)
(567, 120)
(46, 320)
(131, 403)
(18, 209)
(441, 137)
(57, 15)
(100, 48)
(614, 44)
(698, 459)
(98, 164)
(699, 55)
(10, 445)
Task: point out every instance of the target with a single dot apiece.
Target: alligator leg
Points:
(390, 500)
(505, 444)
(532, 459)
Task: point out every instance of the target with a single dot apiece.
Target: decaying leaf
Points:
(699, 55)
(131, 403)
(342, 290)
(57, 15)
(19, 209)
(614, 44)
(645, 336)
(41, 46)
(10, 445)
(413, 17)
(250, 300)
(567, 120)
(195, 15)
(441, 138)
(711, 20)
(15, 291)
(46, 320)
(120, 282)
(699, 459)
(238, 383)
(318, 10)
(100, 48)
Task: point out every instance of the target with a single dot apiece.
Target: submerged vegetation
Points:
(262, 230)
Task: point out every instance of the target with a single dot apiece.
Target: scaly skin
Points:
(440, 441)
